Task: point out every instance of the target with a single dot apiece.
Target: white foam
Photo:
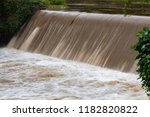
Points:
(26, 75)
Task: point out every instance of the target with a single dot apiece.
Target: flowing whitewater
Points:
(26, 75)
(99, 39)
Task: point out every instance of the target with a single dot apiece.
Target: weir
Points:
(100, 39)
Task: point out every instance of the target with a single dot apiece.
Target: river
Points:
(25, 75)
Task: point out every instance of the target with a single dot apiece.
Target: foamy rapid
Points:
(26, 75)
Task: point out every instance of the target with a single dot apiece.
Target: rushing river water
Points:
(26, 75)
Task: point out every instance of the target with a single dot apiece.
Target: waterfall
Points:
(100, 39)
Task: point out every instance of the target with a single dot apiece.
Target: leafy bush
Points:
(42, 3)
(49, 2)
(143, 49)
(13, 13)
(57, 2)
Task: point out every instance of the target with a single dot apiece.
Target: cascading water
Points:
(99, 39)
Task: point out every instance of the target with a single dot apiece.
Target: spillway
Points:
(103, 40)
(100, 39)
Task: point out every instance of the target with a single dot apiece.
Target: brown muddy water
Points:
(67, 39)
(99, 39)
(26, 75)
(109, 6)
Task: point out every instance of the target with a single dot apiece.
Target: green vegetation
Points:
(143, 49)
(13, 14)
(49, 3)
(57, 2)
